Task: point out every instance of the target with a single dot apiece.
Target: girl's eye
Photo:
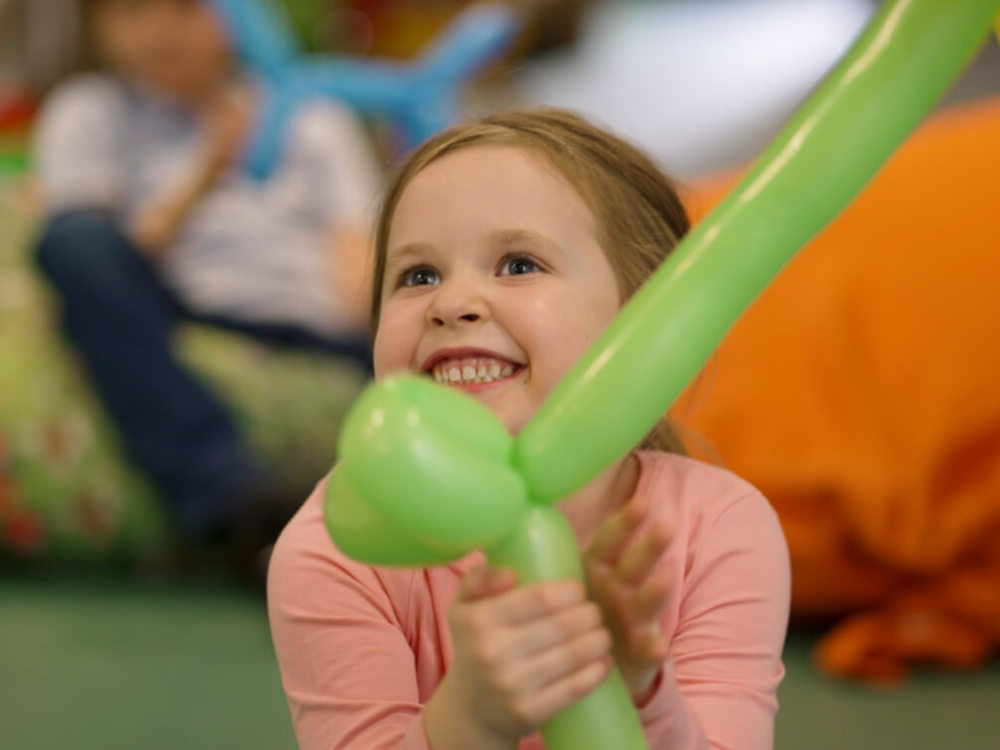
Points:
(419, 276)
(516, 265)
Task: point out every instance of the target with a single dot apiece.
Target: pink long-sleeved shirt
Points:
(362, 649)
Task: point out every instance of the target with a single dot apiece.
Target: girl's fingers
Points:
(537, 600)
(641, 558)
(559, 628)
(648, 646)
(560, 661)
(612, 538)
(641, 618)
(567, 689)
(650, 599)
(483, 581)
(655, 647)
(523, 604)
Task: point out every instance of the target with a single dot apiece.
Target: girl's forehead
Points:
(497, 184)
(475, 159)
(492, 172)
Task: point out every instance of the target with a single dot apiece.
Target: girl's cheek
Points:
(395, 342)
(379, 354)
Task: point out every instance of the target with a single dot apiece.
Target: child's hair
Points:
(88, 55)
(639, 214)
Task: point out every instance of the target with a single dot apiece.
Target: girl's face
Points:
(495, 283)
(176, 47)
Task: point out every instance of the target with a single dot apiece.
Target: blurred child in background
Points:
(150, 221)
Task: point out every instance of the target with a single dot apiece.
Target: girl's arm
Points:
(715, 688)
(726, 652)
(347, 668)
(357, 659)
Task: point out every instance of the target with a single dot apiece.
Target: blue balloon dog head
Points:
(421, 97)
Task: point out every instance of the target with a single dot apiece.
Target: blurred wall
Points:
(705, 84)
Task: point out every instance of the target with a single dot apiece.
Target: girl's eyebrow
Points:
(401, 253)
(508, 237)
(502, 238)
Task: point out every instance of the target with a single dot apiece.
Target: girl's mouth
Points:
(474, 371)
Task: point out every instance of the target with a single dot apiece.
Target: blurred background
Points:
(859, 393)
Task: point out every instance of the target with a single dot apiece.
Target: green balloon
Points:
(428, 474)
(433, 464)
(425, 478)
(542, 548)
(369, 537)
(909, 54)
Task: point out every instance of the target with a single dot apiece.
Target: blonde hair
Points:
(640, 217)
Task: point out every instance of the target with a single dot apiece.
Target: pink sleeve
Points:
(347, 668)
(718, 690)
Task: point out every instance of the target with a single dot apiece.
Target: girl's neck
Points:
(587, 509)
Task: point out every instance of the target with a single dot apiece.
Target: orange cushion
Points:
(861, 392)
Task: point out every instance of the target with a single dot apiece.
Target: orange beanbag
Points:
(861, 393)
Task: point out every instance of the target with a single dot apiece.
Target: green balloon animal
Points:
(428, 475)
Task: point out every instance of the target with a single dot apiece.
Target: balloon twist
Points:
(425, 478)
(422, 98)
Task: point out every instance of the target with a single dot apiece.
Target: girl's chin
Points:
(513, 421)
(508, 405)
(493, 395)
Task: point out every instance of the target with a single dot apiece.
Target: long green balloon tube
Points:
(900, 66)
(543, 548)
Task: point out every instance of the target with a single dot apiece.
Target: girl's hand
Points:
(626, 579)
(522, 655)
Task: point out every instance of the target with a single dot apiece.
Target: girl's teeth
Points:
(472, 372)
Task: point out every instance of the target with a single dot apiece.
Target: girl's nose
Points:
(455, 305)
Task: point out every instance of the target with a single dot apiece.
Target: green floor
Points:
(106, 663)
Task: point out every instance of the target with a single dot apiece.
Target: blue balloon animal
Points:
(422, 96)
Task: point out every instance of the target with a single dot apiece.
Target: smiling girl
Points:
(504, 248)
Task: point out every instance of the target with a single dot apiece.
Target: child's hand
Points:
(227, 123)
(625, 578)
(521, 656)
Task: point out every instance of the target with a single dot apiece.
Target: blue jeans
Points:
(121, 318)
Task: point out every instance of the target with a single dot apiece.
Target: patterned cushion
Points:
(66, 489)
